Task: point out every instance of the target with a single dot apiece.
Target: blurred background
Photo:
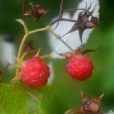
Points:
(103, 59)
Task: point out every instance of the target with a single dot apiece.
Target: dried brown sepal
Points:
(89, 106)
(68, 55)
(60, 18)
(77, 53)
(1, 70)
(83, 22)
(37, 11)
(89, 50)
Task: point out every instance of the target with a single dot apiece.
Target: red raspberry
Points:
(35, 73)
(80, 68)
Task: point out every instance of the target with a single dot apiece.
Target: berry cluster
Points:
(35, 73)
(80, 68)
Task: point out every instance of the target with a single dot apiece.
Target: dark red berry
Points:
(80, 68)
(35, 73)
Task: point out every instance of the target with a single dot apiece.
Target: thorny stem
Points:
(61, 40)
(60, 15)
(62, 19)
(33, 96)
(24, 7)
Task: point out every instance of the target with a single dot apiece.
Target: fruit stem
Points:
(61, 40)
(20, 49)
(17, 66)
(45, 56)
(33, 96)
(24, 38)
(38, 30)
(24, 54)
(15, 78)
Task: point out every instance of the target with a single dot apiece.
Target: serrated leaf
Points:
(13, 99)
(42, 106)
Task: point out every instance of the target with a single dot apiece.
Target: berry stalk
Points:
(25, 37)
(60, 40)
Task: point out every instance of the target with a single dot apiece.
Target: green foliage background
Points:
(103, 59)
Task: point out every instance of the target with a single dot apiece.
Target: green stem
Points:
(21, 45)
(45, 56)
(33, 96)
(22, 57)
(17, 66)
(68, 111)
(24, 38)
(20, 49)
(61, 40)
(38, 30)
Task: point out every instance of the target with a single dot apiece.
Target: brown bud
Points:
(90, 25)
(68, 55)
(28, 13)
(95, 20)
(37, 11)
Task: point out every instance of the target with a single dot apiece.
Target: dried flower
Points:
(83, 22)
(89, 106)
(37, 11)
(72, 39)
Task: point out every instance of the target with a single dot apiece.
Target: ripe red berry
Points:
(80, 68)
(35, 73)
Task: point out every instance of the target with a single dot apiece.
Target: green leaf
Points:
(34, 106)
(46, 90)
(42, 106)
(13, 99)
(20, 21)
(24, 25)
